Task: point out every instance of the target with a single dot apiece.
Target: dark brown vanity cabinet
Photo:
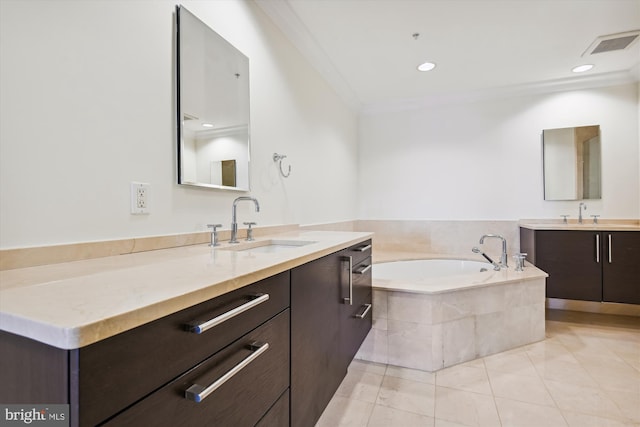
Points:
(586, 265)
(152, 375)
(268, 354)
(330, 317)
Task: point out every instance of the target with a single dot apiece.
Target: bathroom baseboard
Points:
(594, 307)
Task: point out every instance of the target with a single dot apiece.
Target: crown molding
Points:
(281, 13)
(530, 89)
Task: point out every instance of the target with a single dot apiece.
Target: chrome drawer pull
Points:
(349, 300)
(198, 327)
(597, 248)
(198, 393)
(364, 270)
(365, 312)
(363, 248)
(610, 258)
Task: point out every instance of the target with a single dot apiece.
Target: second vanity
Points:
(586, 262)
(189, 336)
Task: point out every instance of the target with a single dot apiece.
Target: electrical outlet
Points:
(140, 198)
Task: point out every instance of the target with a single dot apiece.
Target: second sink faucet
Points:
(503, 256)
(234, 222)
(580, 211)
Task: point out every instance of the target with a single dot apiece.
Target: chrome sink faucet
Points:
(234, 222)
(580, 211)
(503, 256)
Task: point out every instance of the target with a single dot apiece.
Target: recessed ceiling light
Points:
(207, 125)
(582, 68)
(427, 66)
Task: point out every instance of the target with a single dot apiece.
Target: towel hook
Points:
(278, 158)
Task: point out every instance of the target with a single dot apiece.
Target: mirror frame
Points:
(180, 111)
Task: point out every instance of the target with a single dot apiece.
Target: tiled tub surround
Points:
(434, 323)
(439, 238)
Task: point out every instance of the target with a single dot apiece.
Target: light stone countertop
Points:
(74, 304)
(587, 225)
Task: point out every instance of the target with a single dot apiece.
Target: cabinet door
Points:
(315, 315)
(573, 261)
(621, 267)
(355, 318)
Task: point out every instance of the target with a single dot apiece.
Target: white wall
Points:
(483, 160)
(87, 107)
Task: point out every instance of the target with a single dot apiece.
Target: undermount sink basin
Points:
(268, 246)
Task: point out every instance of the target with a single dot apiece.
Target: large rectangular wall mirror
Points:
(571, 158)
(212, 107)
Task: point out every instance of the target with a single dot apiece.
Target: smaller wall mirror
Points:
(572, 158)
(212, 107)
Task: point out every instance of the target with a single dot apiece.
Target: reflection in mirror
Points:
(572, 160)
(212, 106)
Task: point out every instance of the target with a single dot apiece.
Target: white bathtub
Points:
(434, 275)
(430, 314)
(427, 268)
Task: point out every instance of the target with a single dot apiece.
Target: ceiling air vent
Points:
(612, 42)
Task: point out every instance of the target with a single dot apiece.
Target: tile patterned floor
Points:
(586, 373)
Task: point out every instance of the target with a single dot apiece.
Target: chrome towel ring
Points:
(278, 158)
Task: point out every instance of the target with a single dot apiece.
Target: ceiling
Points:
(366, 49)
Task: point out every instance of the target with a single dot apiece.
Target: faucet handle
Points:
(520, 257)
(595, 218)
(214, 234)
(249, 231)
(564, 220)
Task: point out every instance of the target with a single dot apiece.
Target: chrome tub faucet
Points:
(503, 256)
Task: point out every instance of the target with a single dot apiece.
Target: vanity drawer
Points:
(129, 366)
(359, 251)
(356, 318)
(240, 401)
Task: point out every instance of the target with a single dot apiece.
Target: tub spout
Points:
(503, 256)
(477, 250)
